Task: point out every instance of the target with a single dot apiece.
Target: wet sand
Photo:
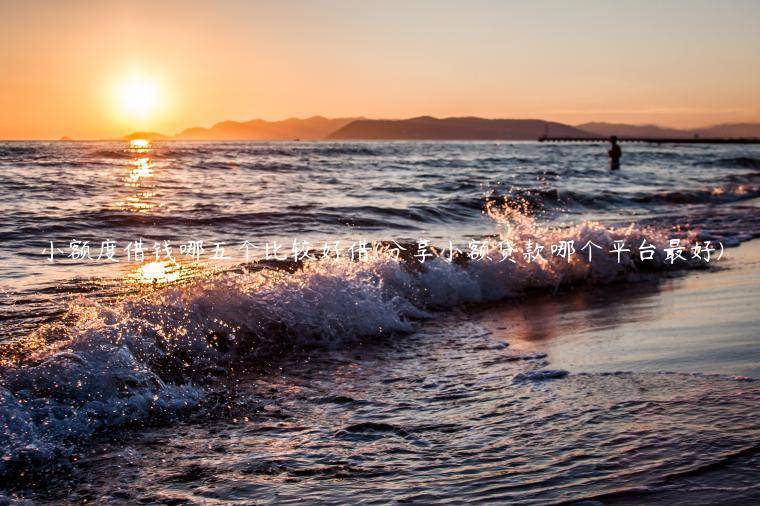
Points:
(705, 322)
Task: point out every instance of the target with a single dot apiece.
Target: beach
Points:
(371, 371)
(704, 322)
(565, 398)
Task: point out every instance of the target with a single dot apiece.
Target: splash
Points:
(151, 357)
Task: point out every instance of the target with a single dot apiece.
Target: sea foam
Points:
(148, 358)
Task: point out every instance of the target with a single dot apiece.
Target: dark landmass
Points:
(747, 130)
(314, 128)
(470, 128)
(728, 130)
(429, 128)
(623, 130)
(148, 136)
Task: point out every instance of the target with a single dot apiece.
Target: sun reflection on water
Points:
(139, 144)
(157, 272)
(161, 272)
(139, 179)
(142, 169)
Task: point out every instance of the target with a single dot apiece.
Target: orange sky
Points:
(678, 63)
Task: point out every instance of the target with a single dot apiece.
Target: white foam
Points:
(144, 357)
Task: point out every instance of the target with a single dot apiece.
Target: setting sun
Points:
(138, 97)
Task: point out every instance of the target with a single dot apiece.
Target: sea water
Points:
(340, 380)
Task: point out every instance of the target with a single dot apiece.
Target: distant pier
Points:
(654, 140)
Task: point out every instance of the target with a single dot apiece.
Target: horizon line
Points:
(169, 137)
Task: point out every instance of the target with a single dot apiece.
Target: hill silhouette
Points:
(148, 136)
(314, 128)
(430, 128)
(624, 130)
(468, 128)
(728, 130)
(736, 130)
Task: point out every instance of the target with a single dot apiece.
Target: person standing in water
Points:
(614, 153)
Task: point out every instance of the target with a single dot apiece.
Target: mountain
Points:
(429, 128)
(470, 128)
(728, 130)
(623, 130)
(148, 136)
(736, 130)
(314, 128)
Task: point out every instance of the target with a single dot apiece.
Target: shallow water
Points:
(342, 381)
(443, 416)
(704, 322)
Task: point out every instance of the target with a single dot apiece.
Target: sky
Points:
(104, 69)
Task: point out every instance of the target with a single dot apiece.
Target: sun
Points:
(138, 97)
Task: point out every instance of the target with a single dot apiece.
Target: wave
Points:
(495, 162)
(152, 357)
(13, 151)
(533, 200)
(120, 153)
(716, 195)
(343, 149)
(367, 216)
(744, 162)
(530, 201)
(451, 208)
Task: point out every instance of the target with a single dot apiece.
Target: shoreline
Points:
(700, 322)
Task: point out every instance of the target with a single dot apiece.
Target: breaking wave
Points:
(152, 357)
(534, 200)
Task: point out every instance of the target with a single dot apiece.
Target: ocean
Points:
(143, 359)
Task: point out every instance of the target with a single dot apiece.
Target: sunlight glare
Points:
(138, 97)
(139, 144)
(157, 272)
